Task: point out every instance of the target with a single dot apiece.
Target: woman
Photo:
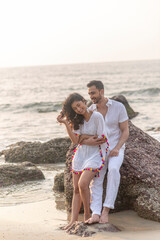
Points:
(87, 161)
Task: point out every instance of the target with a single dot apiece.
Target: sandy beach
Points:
(41, 221)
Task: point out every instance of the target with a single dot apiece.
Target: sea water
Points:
(32, 97)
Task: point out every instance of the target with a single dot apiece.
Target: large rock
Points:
(53, 151)
(140, 181)
(140, 176)
(17, 173)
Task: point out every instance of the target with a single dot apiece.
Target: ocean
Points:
(32, 97)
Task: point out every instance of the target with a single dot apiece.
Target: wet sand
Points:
(41, 221)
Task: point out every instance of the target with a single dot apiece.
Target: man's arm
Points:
(123, 138)
(83, 137)
(90, 140)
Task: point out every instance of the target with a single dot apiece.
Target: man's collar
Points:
(109, 102)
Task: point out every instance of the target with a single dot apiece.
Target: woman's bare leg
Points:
(76, 202)
(84, 182)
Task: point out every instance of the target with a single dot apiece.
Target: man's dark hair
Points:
(98, 84)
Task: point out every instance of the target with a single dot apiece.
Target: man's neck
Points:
(102, 103)
(101, 107)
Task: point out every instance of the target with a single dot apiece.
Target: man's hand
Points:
(124, 136)
(114, 152)
(84, 137)
(93, 141)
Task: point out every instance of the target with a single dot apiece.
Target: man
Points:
(116, 120)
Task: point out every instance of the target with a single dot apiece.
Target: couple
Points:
(92, 128)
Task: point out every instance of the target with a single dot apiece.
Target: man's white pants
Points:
(113, 181)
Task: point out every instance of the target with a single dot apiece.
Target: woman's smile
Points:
(80, 110)
(79, 107)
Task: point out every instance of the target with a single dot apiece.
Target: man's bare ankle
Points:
(95, 215)
(86, 217)
(106, 210)
(94, 219)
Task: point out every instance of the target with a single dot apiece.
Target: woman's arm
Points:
(74, 138)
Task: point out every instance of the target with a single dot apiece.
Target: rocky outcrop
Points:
(85, 230)
(155, 129)
(53, 151)
(59, 182)
(17, 173)
(140, 176)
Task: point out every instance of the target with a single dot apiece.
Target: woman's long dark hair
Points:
(74, 119)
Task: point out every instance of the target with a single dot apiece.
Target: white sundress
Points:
(87, 157)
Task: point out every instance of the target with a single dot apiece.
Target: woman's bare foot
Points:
(104, 216)
(68, 226)
(86, 217)
(94, 219)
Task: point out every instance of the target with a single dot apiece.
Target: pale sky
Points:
(42, 32)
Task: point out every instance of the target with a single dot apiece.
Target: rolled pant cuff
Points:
(108, 206)
(97, 213)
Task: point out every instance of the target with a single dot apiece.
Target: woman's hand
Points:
(61, 119)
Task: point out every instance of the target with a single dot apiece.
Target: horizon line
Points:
(77, 63)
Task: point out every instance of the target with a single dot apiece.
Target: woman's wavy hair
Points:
(74, 119)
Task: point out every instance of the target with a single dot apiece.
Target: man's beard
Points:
(97, 100)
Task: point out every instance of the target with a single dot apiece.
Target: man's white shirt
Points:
(116, 114)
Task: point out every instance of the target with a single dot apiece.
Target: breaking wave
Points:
(40, 107)
(148, 91)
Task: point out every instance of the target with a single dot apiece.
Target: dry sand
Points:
(41, 221)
